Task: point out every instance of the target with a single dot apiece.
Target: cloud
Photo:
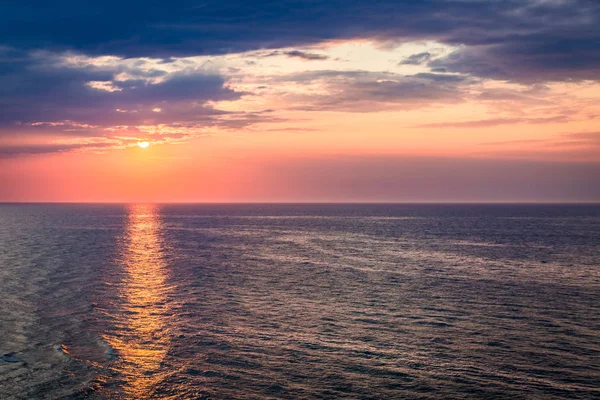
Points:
(79, 79)
(416, 59)
(482, 123)
(70, 95)
(520, 40)
(524, 62)
(45, 89)
(576, 146)
(305, 55)
(587, 139)
(534, 94)
(33, 149)
(365, 91)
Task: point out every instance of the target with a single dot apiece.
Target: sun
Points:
(143, 145)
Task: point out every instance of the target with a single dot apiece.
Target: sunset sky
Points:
(304, 100)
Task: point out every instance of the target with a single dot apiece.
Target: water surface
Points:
(299, 301)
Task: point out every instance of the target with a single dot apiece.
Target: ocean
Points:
(299, 301)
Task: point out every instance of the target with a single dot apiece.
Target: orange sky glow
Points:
(352, 122)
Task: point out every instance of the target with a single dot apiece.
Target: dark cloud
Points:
(525, 60)
(296, 54)
(520, 40)
(36, 89)
(306, 56)
(416, 59)
(441, 78)
(41, 94)
(186, 86)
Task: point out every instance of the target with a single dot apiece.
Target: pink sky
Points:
(346, 120)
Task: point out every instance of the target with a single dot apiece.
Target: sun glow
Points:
(143, 145)
(141, 336)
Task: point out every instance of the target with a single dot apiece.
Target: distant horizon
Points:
(566, 203)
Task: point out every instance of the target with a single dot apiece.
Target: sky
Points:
(300, 101)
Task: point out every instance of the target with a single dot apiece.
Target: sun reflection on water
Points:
(142, 337)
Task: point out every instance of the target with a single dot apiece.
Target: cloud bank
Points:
(118, 71)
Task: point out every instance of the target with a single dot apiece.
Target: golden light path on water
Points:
(142, 339)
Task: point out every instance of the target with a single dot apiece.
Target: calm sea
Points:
(300, 301)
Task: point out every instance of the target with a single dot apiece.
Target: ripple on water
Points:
(314, 302)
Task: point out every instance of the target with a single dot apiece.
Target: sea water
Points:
(299, 301)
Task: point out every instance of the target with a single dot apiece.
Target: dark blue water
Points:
(300, 301)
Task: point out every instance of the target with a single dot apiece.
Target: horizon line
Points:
(451, 202)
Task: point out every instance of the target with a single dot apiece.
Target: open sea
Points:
(299, 301)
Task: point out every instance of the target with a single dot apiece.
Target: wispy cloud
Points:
(496, 121)
(576, 146)
(304, 55)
